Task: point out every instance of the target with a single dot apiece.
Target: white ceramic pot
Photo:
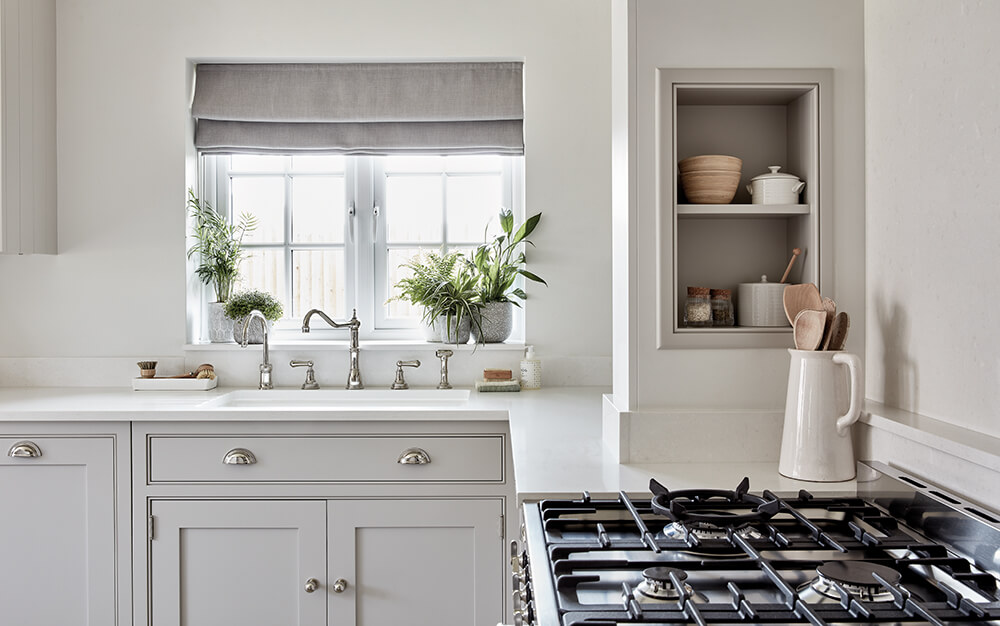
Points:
(825, 392)
(760, 304)
(775, 187)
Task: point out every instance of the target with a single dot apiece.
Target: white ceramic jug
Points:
(825, 392)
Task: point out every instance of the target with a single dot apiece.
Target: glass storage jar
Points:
(722, 307)
(698, 308)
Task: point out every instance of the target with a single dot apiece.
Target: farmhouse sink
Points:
(335, 398)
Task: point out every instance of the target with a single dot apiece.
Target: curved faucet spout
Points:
(265, 366)
(354, 377)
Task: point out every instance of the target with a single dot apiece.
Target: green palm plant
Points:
(219, 246)
(496, 265)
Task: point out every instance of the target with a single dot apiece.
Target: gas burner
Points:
(704, 530)
(657, 585)
(702, 505)
(856, 577)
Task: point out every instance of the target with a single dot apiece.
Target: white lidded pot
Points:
(775, 187)
(760, 304)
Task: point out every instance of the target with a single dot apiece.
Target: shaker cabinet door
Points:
(416, 562)
(253, 563)
(57, 531)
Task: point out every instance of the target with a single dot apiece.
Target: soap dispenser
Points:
(531, 370)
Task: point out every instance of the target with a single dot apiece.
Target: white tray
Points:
(174, 384)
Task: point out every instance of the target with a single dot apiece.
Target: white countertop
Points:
(556, 434)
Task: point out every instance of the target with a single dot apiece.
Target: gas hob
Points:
(899, 552)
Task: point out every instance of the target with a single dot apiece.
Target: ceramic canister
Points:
(775, 187)
(825, 393)
(760, 304)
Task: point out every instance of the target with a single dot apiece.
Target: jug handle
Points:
(853, 363)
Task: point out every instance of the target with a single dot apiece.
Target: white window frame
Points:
(365, 234)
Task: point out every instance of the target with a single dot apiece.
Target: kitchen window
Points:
(333, 229)
(353, 168)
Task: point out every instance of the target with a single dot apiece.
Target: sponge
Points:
(497, 385)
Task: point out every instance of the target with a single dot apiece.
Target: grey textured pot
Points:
(451, 334)
(220, 325)
(496, 320)
(255, 333)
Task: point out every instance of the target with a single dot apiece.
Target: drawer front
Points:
(325, 458)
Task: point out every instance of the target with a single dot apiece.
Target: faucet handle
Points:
(310, 373)
(400, 382)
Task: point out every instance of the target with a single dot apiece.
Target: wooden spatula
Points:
(799, 297)
(838, 332)
(808, 328)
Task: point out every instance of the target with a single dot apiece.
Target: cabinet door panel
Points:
(239, 562)
(57, 533)
(416, 561)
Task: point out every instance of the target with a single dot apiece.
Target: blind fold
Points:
(360, 108)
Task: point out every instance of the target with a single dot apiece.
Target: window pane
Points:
(265, 198)
(318, 163)
(318, 209)
(318, 282)
(421, 163)
(258, 163)
(473, 202)
(264, 269)
(473, 163)
(413, 211)
(398, 309)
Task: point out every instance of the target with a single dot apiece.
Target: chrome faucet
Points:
(265, 367)
(354, 376)
(443, 355)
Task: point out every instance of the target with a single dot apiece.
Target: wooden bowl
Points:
(710, 162)
(711, 187)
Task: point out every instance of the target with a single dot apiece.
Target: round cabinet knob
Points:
(339, 585)
(24, 450)
(312, 585)
(414, 456)
(239, 456)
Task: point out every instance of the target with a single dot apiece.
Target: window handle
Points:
(375, 212)
(351, 218)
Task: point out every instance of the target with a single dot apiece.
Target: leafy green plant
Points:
(495, 263)
(241, 304)
(429, 270)
(444, 285)
(218, 244)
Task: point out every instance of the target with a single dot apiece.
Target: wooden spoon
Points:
(799, 297)
(808, 328)
(795, 254)
(831, 312)
(838, 331)
(194, 374)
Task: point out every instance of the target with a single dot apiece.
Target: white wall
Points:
(117, 287)
(744, 34)
(933, 249)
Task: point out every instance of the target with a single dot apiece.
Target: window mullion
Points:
(289, 269)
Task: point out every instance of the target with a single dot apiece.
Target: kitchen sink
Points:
(336, 398)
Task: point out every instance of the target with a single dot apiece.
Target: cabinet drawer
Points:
(326, 458)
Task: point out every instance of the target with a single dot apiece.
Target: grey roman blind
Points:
(359, 108)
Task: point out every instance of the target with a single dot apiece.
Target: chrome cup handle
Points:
(24, 450)
(239, 456)
(414, 456)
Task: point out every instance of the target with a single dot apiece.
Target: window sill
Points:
(369, 344)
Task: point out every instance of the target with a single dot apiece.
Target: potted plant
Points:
(239, 306)
(497, 265)
(219, 246)
(444, 287)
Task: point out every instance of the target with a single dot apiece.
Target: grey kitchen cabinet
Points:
(415, 561)
(238, 562)
(232, 520)
(28, 127)
(64, 548)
